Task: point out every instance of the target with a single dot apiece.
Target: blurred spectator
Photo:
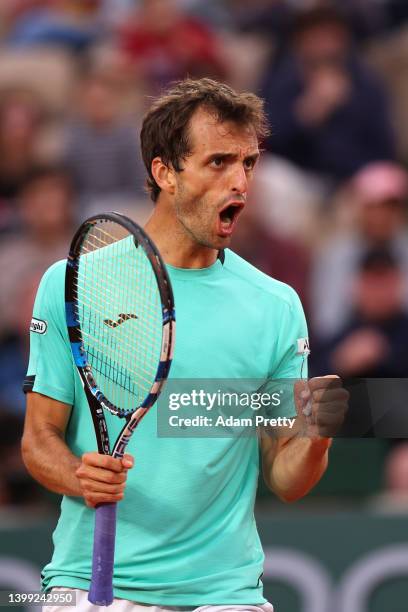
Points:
(71, 24)
(287, 199)
(278, 256)
(394, 497)
(45, 209)
(389, 57)
(374, 341)
(396, 471)
(253, 35)
(396, 478)
(376, 201)
(328, 112)
(102, 147)
(166, 44)
(20, 122)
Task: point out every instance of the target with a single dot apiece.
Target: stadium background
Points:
(327, 215)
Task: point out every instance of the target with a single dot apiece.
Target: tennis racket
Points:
(121, 325)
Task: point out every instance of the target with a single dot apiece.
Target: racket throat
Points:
(99, 422)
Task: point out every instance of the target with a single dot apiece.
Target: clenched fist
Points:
(323, 403)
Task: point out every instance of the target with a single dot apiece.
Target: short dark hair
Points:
(165, 126)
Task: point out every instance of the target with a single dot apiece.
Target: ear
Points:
(164, 176)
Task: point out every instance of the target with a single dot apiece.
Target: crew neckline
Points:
(190, 273)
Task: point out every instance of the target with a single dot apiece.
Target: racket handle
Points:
(101, 589)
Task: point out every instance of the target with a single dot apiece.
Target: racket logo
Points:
(122, 318)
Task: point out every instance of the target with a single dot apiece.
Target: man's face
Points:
(211, 189)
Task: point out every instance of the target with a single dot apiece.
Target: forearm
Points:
(95, 477)
(297, 467)
(50, 462)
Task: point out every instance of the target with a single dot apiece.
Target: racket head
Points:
(120, 313)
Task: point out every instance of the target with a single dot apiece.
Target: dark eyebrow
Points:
(219, 156)
(230, 156)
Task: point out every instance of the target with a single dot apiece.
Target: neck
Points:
(177, 247)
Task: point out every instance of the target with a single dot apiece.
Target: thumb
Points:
(127, 461)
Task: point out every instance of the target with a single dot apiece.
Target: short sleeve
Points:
(292, 349)
(50, 369)
(290, 356)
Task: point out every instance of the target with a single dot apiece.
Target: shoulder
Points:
(50, 300)
(52, 283)
(258, 281)
(56, 272)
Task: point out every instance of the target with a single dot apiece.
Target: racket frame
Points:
(101, 589)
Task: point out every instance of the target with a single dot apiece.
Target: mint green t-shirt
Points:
(186, 533)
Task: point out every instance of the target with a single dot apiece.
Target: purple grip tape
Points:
(101, 589)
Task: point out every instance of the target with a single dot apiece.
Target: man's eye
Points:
(249, 164)
(217, 162)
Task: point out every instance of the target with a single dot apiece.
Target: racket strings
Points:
(109, 368)
(113, 372)
(107, 360)
(116, 278)
(147, 314)
(125, 272)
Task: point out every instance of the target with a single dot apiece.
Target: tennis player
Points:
(186, 534)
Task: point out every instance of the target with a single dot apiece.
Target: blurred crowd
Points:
(328, 211)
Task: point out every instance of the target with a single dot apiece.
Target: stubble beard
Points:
(186, 209)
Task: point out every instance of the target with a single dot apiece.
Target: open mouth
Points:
(228, 217)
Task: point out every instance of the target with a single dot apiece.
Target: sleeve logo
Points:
(303, 347)
(38, 326)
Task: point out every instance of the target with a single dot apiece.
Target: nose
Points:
(239, 180)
